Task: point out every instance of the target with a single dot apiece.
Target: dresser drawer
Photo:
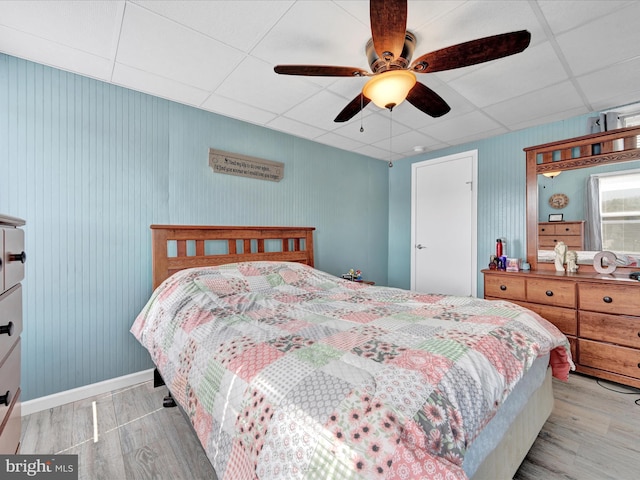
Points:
(10, 378)
(611, 328)
(10, 434)
(612, 358)
(14, 256)
(569, 229)
(10, 319)
(563, 318)
(560, 228)
(551, 292)
(615, 299)
(504, 286)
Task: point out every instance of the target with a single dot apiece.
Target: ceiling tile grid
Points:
(219, 56)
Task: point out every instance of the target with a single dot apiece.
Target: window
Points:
(620, 211)
(631, 120)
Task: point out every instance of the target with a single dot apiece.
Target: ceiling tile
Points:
(549, 118)
(338, 141)
(424, 16)
(512, 76)
(480, 135)
(316, 33)
(25, 45)
(375, 152)
(551, 100)
(410, 116)
(377, 125)
(152, 43)
(613, 86)
(155, 85)
(318, 110)
(405, 142)
(477, 19)
(91, 27)
(235, 109)
(254, 82)
(462, 127)
(239, 24)
(293, 127)
(597, 45)
(568, 14)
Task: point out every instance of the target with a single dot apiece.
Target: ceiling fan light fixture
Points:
(552, 174)
(390, 88)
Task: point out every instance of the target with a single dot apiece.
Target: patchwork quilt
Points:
(289, 372)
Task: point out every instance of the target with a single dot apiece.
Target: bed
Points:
(285, 371)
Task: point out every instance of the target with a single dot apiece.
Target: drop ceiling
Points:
(219, 56)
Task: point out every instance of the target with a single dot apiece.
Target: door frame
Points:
(474, 212)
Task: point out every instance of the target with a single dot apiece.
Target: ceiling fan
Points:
(389, 52)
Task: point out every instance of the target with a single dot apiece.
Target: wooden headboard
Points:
(176, 247)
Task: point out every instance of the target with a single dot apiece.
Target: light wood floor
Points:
(592, 434)
(137, 437)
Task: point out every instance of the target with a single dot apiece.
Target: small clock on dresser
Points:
(558, 200)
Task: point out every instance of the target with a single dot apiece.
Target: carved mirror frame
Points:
(614, 146)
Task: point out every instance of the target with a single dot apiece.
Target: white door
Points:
(444, 225)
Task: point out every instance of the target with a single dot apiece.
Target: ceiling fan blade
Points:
(425, 99)
(352, 108)
(388, 27)
(320, 71)
(473, 52)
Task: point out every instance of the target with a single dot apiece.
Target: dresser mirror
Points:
(574, 168)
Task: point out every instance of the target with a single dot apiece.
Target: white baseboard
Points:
(80, 393)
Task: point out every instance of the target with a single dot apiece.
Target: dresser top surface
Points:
(584, 276)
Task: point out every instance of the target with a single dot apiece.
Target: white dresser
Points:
(11, 274)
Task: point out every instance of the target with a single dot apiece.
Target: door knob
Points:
(420, 246)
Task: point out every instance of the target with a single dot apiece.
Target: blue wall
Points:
(90, 166)
(501, 195)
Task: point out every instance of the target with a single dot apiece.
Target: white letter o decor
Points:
(610, 258)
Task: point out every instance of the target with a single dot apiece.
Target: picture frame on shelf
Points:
(556, 217)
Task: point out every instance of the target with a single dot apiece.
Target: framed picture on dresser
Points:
(556, 217)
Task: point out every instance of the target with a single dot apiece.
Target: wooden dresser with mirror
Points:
(599, 313)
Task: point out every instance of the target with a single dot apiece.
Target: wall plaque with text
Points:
(245, 166)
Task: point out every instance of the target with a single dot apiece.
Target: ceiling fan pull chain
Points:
(390, 136)
(361, 108)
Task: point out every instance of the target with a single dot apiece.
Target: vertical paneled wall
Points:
(90, 166)
(501, 195)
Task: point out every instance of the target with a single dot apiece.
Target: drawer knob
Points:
(18, 257)
(607, 299)
(4, 399)
(549, 293)
(8, 329)
(503, 287)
